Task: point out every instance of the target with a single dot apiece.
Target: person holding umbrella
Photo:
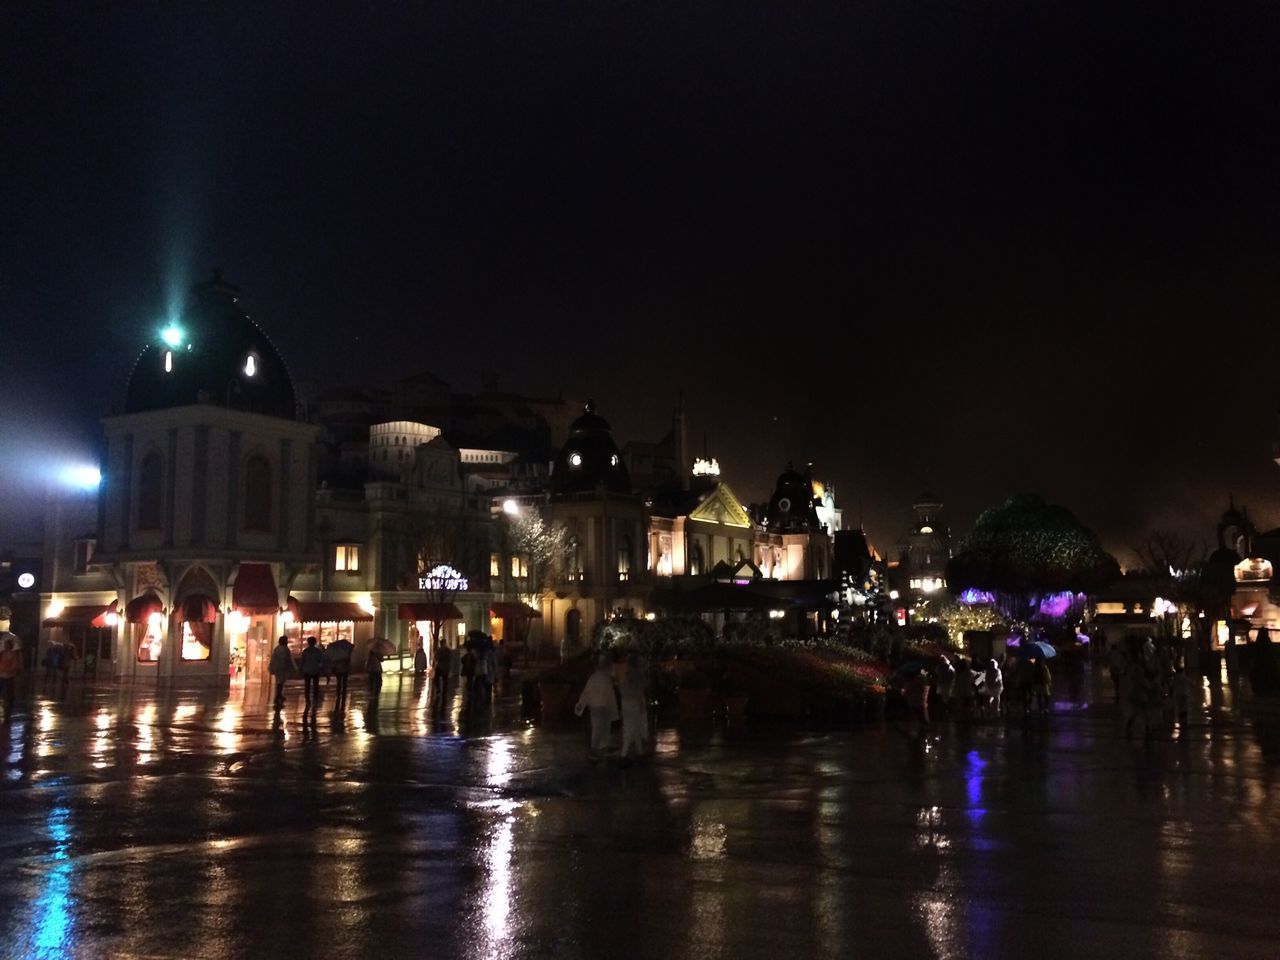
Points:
(10, 667)
(339, 656)
(313, 666)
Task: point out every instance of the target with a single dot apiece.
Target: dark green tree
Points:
(1026, 550)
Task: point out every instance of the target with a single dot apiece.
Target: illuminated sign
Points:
(26, 580)
(443, 577)
(706, 468)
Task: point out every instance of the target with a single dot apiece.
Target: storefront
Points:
(327, 621)
(510, 622)
(81, 636)
(429, 621)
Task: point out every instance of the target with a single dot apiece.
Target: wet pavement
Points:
(143, 823)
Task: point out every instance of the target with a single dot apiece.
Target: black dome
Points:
(791, 507)
(218, 356)
(589, 458)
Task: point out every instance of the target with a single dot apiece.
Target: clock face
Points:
(26, 580)
(575, 459)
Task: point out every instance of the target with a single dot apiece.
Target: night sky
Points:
(972, 248)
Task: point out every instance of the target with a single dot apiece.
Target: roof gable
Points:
(722, 505)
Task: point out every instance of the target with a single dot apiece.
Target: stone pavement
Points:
(145, 823)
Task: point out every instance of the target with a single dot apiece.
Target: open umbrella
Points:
(383, 646)
(339, 650)
(1035, 648)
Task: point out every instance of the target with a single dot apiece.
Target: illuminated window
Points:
(150, 492)
(519, 567)
(624, 558)
(197, 640)
(152, 641)
(495, 565)
(346, 558)
(573, 557)
(257, 494)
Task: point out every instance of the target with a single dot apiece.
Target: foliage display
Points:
(1026, 549)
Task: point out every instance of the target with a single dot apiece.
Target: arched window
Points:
(573, 559)
(697, 564)
(257, 493)
(150, 492)
(624, 558)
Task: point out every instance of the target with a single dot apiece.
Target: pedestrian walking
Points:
(992, 688)
(420, 660)
(468, 675)
(944, 684)
(373, 668)
(281, 667)
(635, 709)
(313, 664)
(339, 657)
(1041, 684)
(599, 698)
(10, 667)
(916, 692)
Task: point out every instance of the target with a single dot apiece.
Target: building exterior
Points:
(918, 572)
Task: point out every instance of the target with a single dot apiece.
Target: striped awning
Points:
(327, 611)
(82, 615)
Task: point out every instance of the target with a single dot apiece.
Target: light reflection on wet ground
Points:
(181, 824)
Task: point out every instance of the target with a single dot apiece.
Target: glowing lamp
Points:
(510, 507)
(55, 608)
(81, 477)
(365, 603)
(111, 618)
(172, 335)
(286, 616)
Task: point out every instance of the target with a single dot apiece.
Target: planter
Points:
(556, 701)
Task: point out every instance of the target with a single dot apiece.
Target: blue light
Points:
(81, 477)
(53, 932)
(172, 335)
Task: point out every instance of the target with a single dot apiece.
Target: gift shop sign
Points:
(443, 577)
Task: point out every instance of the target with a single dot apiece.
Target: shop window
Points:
(152, 641)
(257, 494)
(346, 558)
(624, 558)
(519, 567)
(325, 634)
(150, 492)
(197, 640)
(84, 550)
(495, 565)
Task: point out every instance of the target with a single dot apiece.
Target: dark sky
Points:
(976, 248)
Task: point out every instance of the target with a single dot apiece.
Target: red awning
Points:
(255, 589)
(82, 615)
(514, 611)
(433, 612)
(327, 611)
(141, 607)
(198, 608)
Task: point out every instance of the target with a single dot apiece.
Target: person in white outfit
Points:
(599, 698)
(635, 711)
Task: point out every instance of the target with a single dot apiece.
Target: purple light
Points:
(972, 596)
(1056, 605)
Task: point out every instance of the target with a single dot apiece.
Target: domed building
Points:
(590, 494)
(206, 511)
(589, 459)
(212, 354)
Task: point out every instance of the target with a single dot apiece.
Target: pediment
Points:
(722, 506)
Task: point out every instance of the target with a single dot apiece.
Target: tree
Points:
(541, 542)
(444, 534)
(1025, 551)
